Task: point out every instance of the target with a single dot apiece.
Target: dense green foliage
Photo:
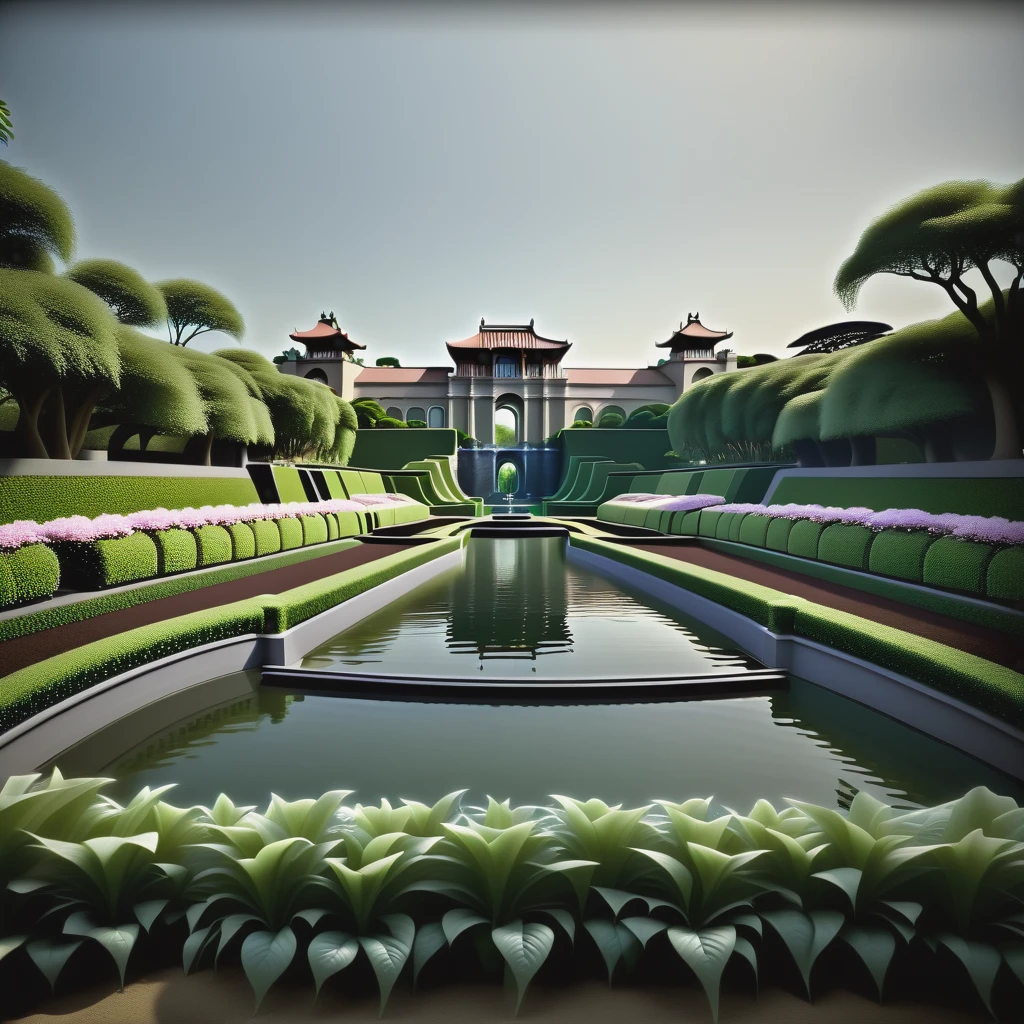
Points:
(647, 447)
(377, 449)
(194, 308)
(132, 299)
(28, 574)
(387, 361)
(35, 223)
(405, 885)
(504, 436)
(49, 497)
(107, 563)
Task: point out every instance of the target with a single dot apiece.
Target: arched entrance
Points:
(508, 478)
(318, 375)
(508, 412)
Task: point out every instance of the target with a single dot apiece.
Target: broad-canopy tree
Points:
(194, 308)
(157, 395)
(35, 223)
(388, 361)
(132, 298)
(57, 345)
(940, 234)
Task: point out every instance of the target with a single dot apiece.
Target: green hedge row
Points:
(28, 574)
(978, 682)
(42, 498)
(59, 615)
(981, 570)
(30, 690)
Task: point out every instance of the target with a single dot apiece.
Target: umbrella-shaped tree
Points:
(35, 223)
(938, 235)
(194, 308)
(53, 334)
(132, 298)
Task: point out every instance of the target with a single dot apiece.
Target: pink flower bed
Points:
(82, 530)
(987, 529)
(19, 533)
(379, 499)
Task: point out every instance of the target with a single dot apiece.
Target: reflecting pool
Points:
(517, 607)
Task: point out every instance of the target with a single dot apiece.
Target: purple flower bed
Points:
(687, 502)
(637, 496)
(987, 529)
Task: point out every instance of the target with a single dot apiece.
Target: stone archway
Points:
(513, 404)
(317, 374)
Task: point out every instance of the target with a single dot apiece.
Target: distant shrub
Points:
(390, 423)
(416, 423)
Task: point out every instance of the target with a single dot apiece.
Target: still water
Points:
(513, 608)
(518, 607)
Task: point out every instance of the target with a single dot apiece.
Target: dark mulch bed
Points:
(26, 650)
(992, 644)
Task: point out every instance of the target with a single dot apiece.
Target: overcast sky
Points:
(606, 170)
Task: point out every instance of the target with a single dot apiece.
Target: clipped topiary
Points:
(390, 423)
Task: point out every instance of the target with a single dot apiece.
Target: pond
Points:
(234, 735)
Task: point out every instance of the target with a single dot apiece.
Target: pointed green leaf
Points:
(525, 947)
(616, 899)
(875, 946)
(195, 943)
(330, 952)
(644, 928)
(50, 957)
(846, 880)
(805, 935)
(614, 941)
(705, 952)
(429, 939)
(9, 943)
(387, 958)
(456, 921)
(745, 949)
(981, 961)
(148, 911)
(1013, 954)
(265, 957)
(230, 927)
(564, 919)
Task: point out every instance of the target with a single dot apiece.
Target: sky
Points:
(605, 169)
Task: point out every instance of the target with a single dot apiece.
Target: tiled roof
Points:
(649, 377)
(324, 332)
(516, 336)
(694, 335)
(404, 375)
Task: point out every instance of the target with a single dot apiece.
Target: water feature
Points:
(506, 611)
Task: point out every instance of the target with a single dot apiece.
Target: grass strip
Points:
(33, 689)
(980, 683)
(76, 611)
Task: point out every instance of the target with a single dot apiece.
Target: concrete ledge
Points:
(975, 732)
(40, 739)
(98, 467)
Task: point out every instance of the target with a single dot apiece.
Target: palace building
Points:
(510, 366)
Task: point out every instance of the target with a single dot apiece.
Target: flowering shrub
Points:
(370, 499)
(687, 502)
(83, 530)
(987, 529)
(19, 533)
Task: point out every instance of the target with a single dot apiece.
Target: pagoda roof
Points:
(326, 333)
(514, 336)
(694, 335)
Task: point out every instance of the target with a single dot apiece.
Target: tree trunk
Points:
(26, 430)
(207, 450)
(80, 421)
(56, 427)
(1008, 442)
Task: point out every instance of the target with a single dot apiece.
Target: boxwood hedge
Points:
(845, 544)
(266, 535)
(957, 564)
(106, 563)
(30, 573)
(900, 553)
(213, 544)
(291, 533)
(314, 529)
(803, 538)
(243, 542)
(176, 551)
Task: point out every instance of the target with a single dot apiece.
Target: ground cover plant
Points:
(312, 886)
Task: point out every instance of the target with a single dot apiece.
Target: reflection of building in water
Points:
(511, 600)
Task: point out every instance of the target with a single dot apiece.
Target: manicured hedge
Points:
(845, 544)
(266, 535)
(243, 541)
(27, 574)
(803, 538)
(30, 690)
(282, 611)
(291, 533)
(754, 530)
(42, 498)
(974, 680)
(1004, 579)
(900, 553)
(106, 563)
(289, 484)
(213, 544)
(176, 551)
(392, 449)
(981, 496)
(647, 447)
(957, 564)
(49, 618)
(777, 537)
(314, 529)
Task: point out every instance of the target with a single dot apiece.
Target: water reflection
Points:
(518, 603)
